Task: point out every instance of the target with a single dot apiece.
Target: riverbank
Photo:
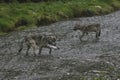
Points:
(20, 16)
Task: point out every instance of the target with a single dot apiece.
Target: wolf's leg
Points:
(40, 49)
(34, 46)
(98, 34)
(86, 33)
(28, 47)
(34, 49)
(50, 51)
(21, 47)
(80, 37)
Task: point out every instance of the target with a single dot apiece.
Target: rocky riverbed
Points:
(75, 60)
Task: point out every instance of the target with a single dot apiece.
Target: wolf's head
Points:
(51, 40)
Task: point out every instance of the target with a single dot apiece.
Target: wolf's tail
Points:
(21, 46)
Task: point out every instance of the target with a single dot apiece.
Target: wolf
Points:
(45, 40)
(89, 28)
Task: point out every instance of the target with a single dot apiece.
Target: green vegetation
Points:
(19, 16)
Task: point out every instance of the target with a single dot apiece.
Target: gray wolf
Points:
(88, 28)
(44, 40)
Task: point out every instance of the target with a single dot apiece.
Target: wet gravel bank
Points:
(75, 60)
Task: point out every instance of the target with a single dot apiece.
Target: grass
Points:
(20, 16)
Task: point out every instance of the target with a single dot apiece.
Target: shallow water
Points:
(75, 60)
